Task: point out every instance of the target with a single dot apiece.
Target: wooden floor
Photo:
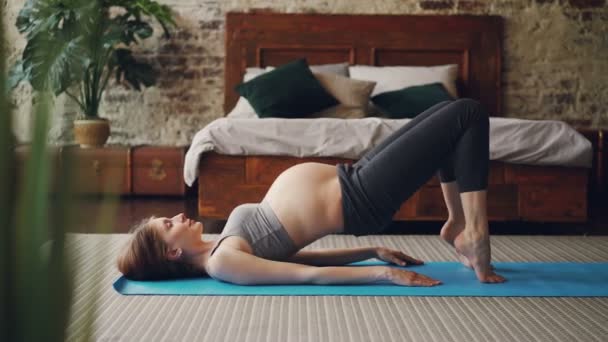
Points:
(132, 209)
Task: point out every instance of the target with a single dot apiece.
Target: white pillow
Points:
(338, 69)
(251, 73)
(389, 78)
(242, 109)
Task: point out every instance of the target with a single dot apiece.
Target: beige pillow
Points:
(349, 92)
(341, 112)
(391, 78)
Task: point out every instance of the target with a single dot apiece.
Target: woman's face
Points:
(179, 231)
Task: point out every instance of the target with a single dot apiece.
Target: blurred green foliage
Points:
(37, 283)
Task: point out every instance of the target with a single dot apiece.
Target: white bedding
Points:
(519, 141)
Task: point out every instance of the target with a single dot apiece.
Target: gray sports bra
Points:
(258, 224)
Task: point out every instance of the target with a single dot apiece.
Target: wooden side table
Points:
(99, 170)
(121, 170)
(21, 155)
(158, 170)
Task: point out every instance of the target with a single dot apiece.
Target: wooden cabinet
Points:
(121, 170)
(21, 159)
(99, 170)
(158, 170)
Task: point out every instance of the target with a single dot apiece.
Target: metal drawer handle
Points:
(97, 167)
(157, 172)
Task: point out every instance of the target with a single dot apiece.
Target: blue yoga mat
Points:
(524, 279)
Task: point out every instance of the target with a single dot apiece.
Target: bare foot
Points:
(449, 231)
(476, 248)
(451, 228)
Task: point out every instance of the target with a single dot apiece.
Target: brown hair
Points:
(144, 257)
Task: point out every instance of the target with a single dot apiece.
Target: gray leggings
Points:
(451, 139)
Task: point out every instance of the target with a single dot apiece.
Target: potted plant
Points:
(85, 42)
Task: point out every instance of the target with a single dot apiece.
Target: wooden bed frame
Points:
(515, 192)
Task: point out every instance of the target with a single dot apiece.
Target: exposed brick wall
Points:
(437, 5)
(555, 63)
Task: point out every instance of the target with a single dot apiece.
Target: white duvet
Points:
(519, 141)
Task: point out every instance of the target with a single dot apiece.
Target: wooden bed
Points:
(515, 192)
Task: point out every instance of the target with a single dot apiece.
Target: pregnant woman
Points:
(261, 242)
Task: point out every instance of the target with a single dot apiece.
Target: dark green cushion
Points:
(289, 91)
(410, 101)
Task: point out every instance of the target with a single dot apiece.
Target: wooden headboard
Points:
(473, 42)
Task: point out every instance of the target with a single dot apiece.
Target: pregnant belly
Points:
(307, 200)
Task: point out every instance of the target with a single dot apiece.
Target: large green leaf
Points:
(55, 55)
(138, 8)
(7, 201)
(34, 16)
(114, 34)
(59, 262)
(15, 76)
(134, 28)
(130, 70)
(25, 18)
(31, 233)
(49, 15)
(55, 62)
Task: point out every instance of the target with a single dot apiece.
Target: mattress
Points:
(519, 141)
(346, 318)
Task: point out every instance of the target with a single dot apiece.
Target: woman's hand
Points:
(403, 277)
(396, 257)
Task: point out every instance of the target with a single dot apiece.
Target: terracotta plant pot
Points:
(91, 132)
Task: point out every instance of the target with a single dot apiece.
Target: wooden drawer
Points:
(265, 169)
(158, 170)
(496, 174)
(100, 170)
(22, 154)
(533, 174)
(546, 203)
(502, 203)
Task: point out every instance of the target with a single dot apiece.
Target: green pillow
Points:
(410, 101)
(289, 91)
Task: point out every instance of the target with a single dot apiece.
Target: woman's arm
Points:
(246, 269)
(333, 256)
(336, 257)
